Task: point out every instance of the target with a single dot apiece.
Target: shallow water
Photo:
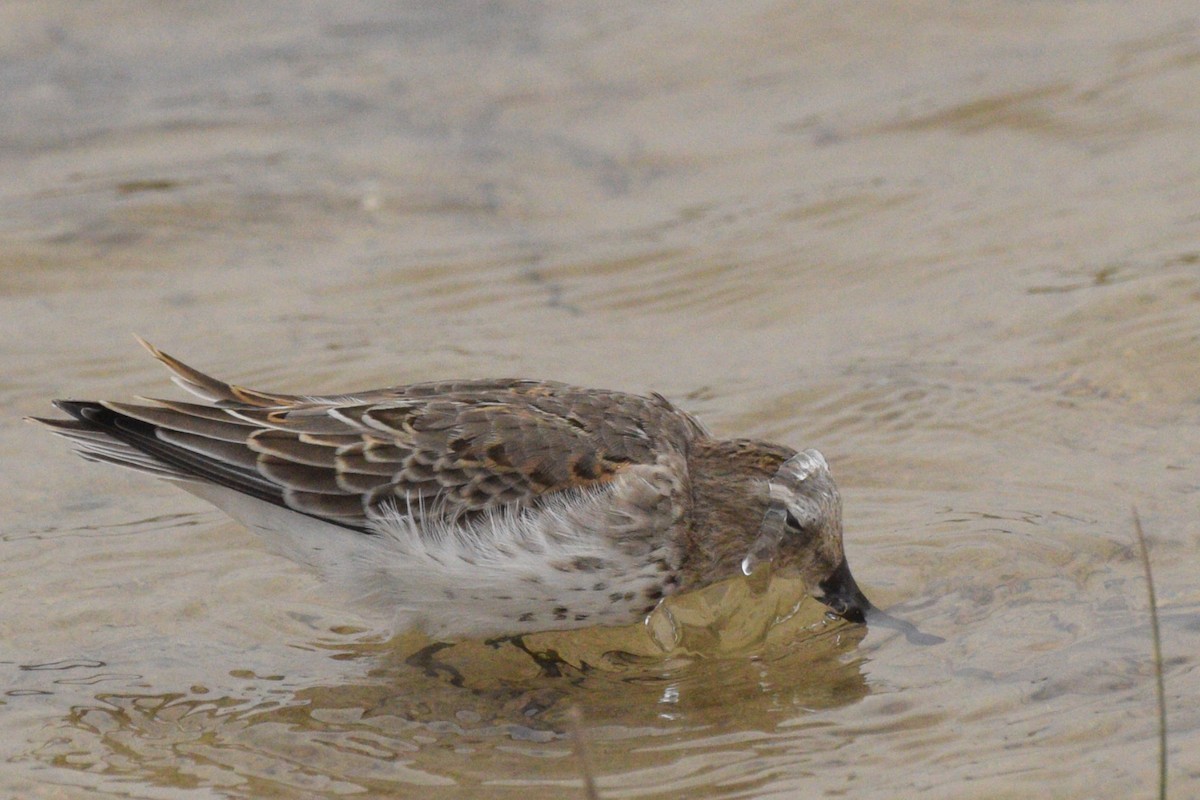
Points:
(955, 246)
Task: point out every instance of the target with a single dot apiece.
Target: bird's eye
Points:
(794, 523)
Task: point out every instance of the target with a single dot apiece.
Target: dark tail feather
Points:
(101, 434)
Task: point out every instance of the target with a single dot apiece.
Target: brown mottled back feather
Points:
(449, 448)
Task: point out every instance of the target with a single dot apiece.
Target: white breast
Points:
(587, 557)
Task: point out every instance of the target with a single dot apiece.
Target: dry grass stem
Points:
(575, 716)
(1158, 658)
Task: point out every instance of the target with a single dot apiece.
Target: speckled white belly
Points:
(599, 557)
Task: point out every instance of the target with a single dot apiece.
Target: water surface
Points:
(952, 245)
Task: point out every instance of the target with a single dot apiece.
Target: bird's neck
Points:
(729, 498)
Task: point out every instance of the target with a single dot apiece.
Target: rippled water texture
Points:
(956, 246)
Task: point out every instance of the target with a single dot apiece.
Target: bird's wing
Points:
(448, 449)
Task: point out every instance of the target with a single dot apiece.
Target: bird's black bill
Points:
(842, 595)
(845, 599)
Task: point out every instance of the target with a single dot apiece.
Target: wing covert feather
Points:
(450, 448)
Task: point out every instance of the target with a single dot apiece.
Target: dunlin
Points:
(487, 507)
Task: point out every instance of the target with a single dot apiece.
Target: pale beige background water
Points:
(954, 245)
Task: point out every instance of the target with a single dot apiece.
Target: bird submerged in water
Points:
(487, 507)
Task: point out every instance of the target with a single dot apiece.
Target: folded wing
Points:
(450, 449)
